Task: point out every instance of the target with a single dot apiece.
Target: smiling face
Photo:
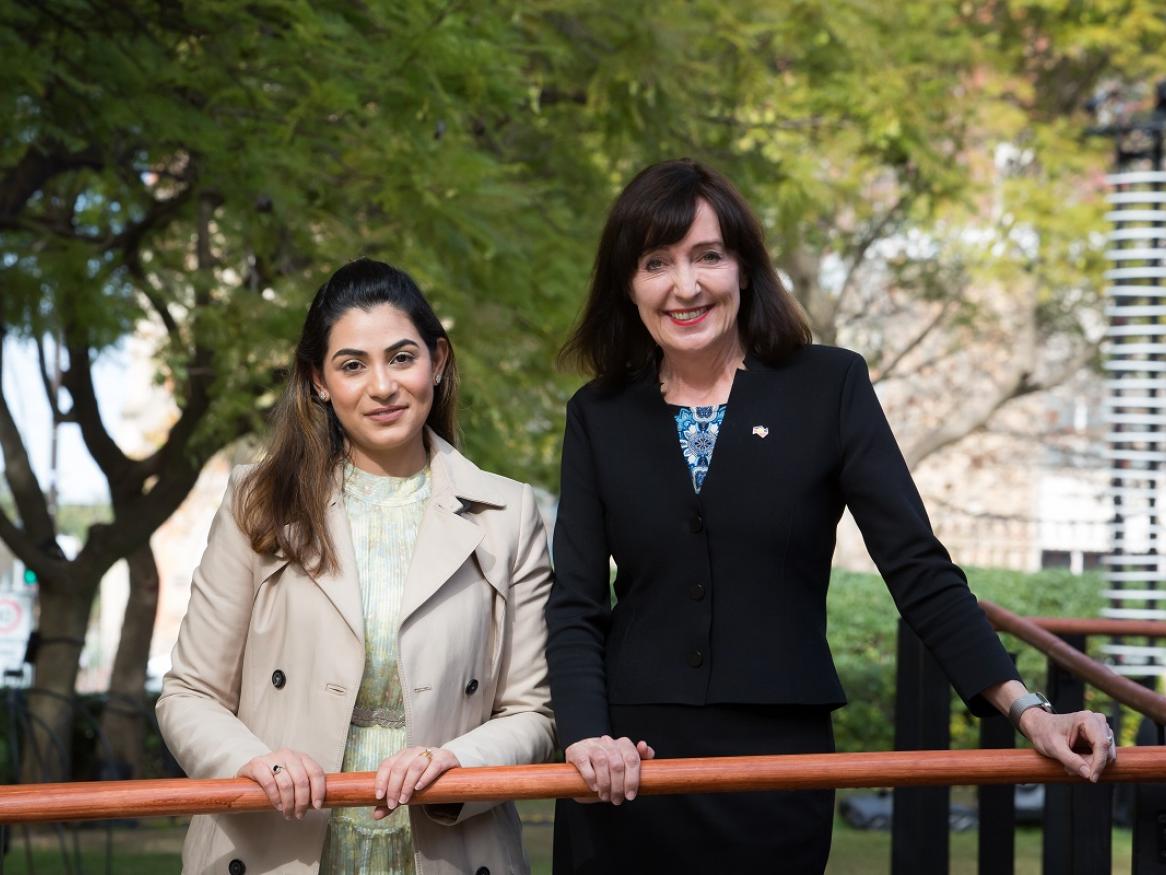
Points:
(379, 376)
(688, 293)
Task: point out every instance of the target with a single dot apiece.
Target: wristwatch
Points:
(1028, 700)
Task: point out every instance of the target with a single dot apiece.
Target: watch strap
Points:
(1028, 700)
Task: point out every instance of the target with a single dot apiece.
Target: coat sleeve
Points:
(521, 727)
(200, 694)
(579, 608)
(929, 590)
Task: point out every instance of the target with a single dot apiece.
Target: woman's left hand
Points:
(1082, 742)
(407, 771)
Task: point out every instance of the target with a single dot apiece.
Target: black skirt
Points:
(783, 831)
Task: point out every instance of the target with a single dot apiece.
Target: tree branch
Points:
(51, 394)
(129, 241)
(16, 540)
(31, 503)
(888, 370)
(78, 379)
(973, 414)
(38, 164)
(134, 266)
(857, 254)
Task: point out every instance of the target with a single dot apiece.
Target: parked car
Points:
(874, 810)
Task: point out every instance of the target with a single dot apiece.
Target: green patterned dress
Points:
(384, 514)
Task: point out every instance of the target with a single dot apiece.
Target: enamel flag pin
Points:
(760, 431)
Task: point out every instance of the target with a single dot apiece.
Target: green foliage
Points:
(221, 158)
(863, 630)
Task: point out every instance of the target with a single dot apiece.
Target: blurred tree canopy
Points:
(201, 167)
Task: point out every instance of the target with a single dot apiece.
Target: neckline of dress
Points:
(385, 489)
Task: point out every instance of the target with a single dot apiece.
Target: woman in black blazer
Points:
(711, 458)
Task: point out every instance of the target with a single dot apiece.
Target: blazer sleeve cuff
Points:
(997, 670)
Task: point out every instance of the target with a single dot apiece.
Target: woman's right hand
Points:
(610, 766)
(291, 780)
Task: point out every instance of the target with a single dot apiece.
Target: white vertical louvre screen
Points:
(1135, 411)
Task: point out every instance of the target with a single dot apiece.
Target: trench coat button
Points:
(472, 687)
(696, 658)
(696, 592)
(696, 524)
(236, 867)
(278, 679)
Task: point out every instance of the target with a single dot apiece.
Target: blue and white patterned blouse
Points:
(698, 428)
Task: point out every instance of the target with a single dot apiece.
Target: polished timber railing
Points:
(97, 800)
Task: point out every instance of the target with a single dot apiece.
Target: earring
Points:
(324, 397)
(437, 380)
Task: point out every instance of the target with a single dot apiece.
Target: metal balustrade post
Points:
(919, 824)
(997, 804)
(1078, 818)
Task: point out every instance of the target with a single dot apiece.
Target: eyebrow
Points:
(349, 351)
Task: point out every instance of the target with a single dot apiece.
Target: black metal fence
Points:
(1077, 819)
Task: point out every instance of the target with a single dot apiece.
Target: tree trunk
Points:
(46, 754)
(123, 721)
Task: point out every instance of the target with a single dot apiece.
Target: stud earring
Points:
(324, 397)
(437, 380)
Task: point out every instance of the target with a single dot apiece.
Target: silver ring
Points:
(276, 769)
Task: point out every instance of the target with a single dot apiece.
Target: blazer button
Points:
(696, 658)
(696, 592)
(236, 867)
(696, 524)
(278, 679)
(472, 687)
(482, 870)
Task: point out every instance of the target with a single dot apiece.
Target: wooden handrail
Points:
(1101, 626)
(1102, 677)
(98, 800)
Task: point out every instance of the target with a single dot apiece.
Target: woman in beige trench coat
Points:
(272, 652)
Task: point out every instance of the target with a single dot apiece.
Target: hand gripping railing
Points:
(104, 799)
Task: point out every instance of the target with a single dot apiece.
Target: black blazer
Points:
(721, 597)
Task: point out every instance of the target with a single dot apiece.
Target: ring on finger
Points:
(428, 753)
(276, 769)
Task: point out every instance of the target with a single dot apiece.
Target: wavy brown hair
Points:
(282, 503)
(656, 209)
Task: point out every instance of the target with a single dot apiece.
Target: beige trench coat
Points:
(269, 657)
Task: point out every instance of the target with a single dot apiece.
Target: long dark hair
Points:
(656, 209)
(281, 505)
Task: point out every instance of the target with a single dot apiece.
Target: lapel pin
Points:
(760, 431)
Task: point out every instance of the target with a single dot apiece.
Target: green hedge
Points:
(863, 623)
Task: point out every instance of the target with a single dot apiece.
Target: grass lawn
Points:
(152, 849)
(858, 852)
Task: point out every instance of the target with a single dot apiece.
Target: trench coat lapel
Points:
(448, 536)
(342, 587)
